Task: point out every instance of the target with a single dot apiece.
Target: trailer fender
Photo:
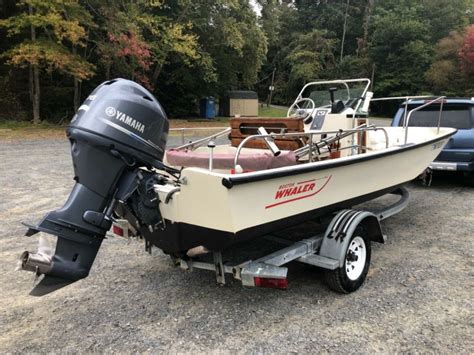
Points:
(342, 227)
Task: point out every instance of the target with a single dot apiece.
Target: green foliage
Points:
(56, 34)
(446, 16)
(231, 48)
(310, 54)
(137, 40)
(400, 49)
(183, 50)
(452, 71)
(51, 56)
(393, 39)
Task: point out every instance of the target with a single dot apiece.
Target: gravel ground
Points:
(417, 298)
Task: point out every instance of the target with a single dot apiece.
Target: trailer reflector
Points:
(281, 284)
(117, 230)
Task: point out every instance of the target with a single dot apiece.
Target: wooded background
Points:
(54, 52)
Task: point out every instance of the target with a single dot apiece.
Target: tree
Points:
(184, 50)
(130, 53)
(141, 36)
(344, 29)
(271, 11)
(231, 48)
(52, 35)
(362, 43)
(310, 55)
(452, 72)
(445, 16)
(466, 53)
(400, 48)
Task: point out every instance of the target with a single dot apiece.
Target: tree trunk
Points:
(77, 86)
(77, 94)
(367, 15)
(30, 82)
(157, 71)
(34, 77)
(36, 95)
(344, 29)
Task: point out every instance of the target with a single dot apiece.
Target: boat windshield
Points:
(347, 94)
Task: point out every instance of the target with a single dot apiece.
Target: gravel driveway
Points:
(417, 298)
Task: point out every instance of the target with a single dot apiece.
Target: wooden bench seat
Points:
(243, 127)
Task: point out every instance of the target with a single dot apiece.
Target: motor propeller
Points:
(39, 262)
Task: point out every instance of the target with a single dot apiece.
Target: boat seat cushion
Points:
(225, 160)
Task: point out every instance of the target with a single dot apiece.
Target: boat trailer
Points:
(337, 250)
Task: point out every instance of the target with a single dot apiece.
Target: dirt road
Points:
(417, 298)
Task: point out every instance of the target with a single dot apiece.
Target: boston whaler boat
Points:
(199, 198)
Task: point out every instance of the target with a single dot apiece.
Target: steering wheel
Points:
(298, 109)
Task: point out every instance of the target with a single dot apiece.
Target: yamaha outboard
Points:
(117, 136)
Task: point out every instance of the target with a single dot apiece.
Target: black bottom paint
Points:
(179, 237)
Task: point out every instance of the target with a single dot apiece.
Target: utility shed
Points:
(243, 103)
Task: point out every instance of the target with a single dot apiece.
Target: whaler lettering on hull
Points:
(290, 191)
(299, 190)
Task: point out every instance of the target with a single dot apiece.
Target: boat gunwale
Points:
(229, 182)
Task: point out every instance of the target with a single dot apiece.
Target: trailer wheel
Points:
(351, 275)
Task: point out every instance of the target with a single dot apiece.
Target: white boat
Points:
(221, 202)
(324, 158)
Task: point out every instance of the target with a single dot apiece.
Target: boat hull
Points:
(178, 237)
(217, 210)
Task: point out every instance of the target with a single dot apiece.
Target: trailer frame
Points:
(326, 250)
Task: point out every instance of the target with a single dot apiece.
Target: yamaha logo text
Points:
(122, 117)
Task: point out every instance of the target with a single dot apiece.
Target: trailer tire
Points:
(352, 274)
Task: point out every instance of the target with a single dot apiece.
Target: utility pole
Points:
(272, 88)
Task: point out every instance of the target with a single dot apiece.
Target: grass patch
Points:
(17, 130)
(16, 125)
(23, 130)
(264, 111)
(199, 122)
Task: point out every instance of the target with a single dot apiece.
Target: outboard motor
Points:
(119, 129)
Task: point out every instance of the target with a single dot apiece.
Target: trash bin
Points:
(207, 107)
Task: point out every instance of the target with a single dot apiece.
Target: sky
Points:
(256, 7)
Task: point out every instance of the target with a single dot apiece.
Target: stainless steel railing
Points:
(309, 149)
(407, 117)
(199, 142)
